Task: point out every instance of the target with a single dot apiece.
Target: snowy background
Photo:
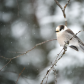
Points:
(23, 24)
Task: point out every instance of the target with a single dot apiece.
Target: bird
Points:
(64, 34)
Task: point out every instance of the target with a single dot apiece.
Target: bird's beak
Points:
(56, 31)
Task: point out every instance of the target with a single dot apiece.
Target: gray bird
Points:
(64, 34)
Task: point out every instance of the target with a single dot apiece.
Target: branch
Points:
(63, 9)
(19, 75)
(54, 70)
(57, 59)
(28, 50)
(5, 65)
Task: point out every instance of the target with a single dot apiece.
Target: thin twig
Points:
(58, 4)
(47, 79)
(54, 64)
(25, 52)
(51, 67)
(55, 75)
(66, 4)
(15, 52)
(28, 50)
(5, 65)
(19, 75)
(63, 9)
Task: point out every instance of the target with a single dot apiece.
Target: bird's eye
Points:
(61, 27)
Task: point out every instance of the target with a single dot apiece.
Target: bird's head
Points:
(60, 28)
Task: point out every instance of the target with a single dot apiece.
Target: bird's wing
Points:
(70, 31)
(73, 35)
(81, 44)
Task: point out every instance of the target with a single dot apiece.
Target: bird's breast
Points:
(64, 37)
(61, 39)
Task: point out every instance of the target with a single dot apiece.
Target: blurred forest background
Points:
(23, 24)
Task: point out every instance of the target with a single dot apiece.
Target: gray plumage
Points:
(65, 34)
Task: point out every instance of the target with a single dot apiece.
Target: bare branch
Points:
(51, 67)
(24, 53)
(63, 10)
(28, 50)
(5, 65)
(57, 59)
(54, 70)
(58, 4)
(66, 4)
(19, 75)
